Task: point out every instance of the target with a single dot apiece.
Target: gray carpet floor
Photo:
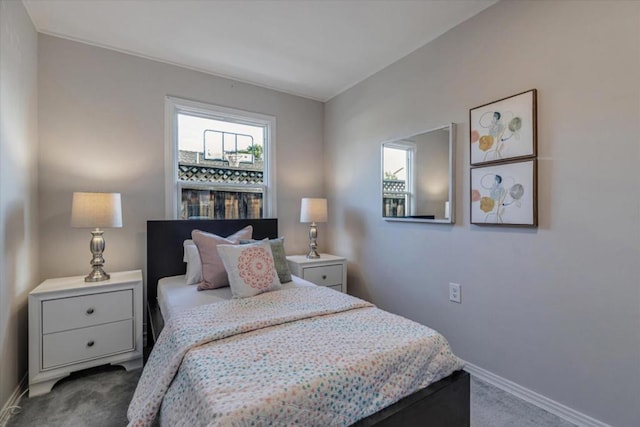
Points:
(99, 397)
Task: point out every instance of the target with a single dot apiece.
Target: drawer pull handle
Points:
(324, 277)
(90, 343)
(90, 310)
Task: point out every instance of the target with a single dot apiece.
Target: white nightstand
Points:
(328, 270)
(75, 325)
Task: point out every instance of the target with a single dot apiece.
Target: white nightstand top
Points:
(302, 259)
(66, 283)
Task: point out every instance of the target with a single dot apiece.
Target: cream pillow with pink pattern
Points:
(213, 272)
(250, 268)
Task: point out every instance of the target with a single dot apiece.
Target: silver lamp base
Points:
(313, 245)
(97, 248)
(97, 275)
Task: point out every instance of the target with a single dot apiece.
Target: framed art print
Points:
(505, 129)
(505, 194)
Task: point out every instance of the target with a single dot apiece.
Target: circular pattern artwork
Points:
(256, 268)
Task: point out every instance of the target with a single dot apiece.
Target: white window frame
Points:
(173, 187)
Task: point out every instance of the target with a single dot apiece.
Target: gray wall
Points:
(102, 129)
(432, 172)
(18, 212)
(557, 309)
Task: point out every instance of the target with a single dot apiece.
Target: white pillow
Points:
(194, 264)
(250, 268)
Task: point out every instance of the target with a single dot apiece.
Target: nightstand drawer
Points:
(326, 275)
(78, 345)
(78, 312)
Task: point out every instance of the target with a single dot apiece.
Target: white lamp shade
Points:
(96, 210)
(313, 210)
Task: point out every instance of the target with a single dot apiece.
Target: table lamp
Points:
(97, 211)
(313, 210)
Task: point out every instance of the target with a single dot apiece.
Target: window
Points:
(219, 162)
(397, 182)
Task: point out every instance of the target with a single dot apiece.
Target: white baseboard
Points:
(13, 400)
(543, 402)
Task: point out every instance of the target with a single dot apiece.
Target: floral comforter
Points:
(304, 356)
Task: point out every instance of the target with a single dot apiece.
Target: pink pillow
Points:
(213, 273)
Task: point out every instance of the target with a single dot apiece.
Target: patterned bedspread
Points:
(303, 356)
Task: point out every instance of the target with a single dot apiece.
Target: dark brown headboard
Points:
(165, 238)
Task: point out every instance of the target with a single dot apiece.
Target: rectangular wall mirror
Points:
(418, 177)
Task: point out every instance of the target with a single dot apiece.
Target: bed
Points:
(442, 403)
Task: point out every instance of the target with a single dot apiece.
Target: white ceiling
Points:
(312, 48)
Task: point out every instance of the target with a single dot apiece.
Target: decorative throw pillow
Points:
(213, 272)
(279, 258)
(250, 268)
(194, 264)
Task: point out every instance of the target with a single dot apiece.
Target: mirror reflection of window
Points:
(398, 180)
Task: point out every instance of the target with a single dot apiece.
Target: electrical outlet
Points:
(455, 293)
